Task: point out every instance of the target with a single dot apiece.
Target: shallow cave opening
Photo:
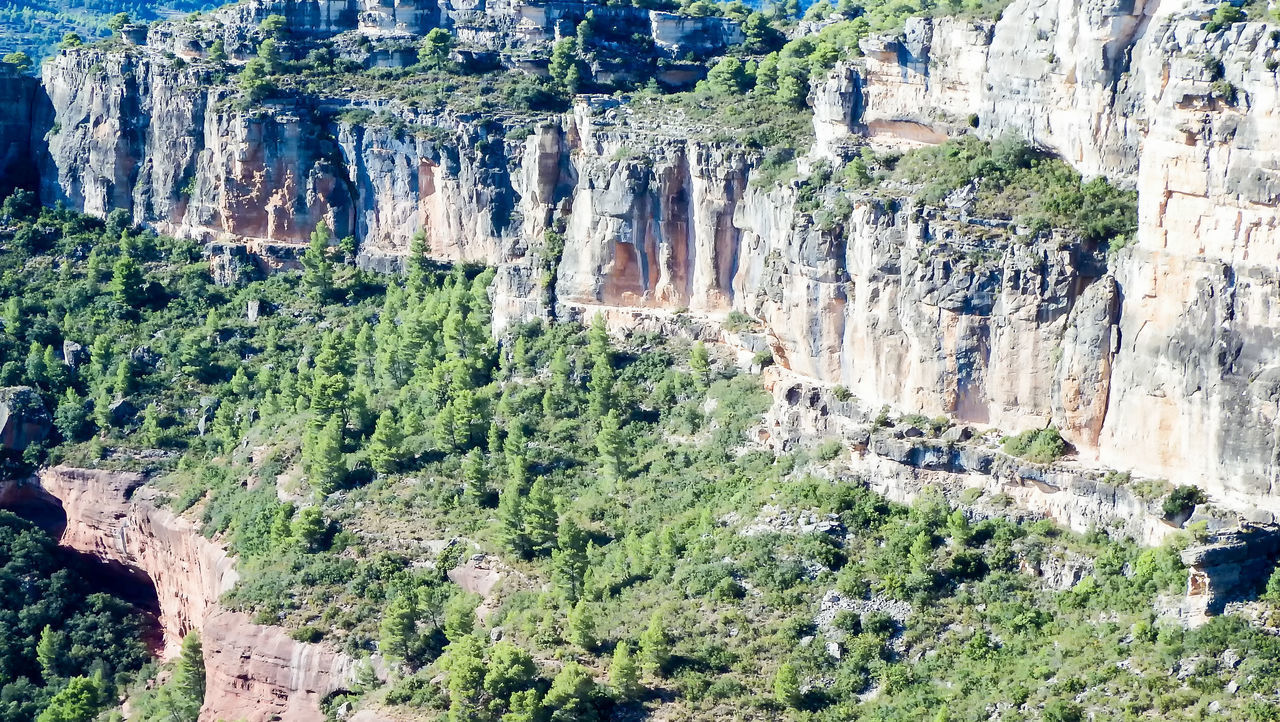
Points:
(102, 575)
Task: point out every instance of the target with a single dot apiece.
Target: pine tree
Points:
(786, 686)
(443, 429)
(13, 313)
(569, 559)
(515, 454)
(55, 370)
(700, 364)
(330, 384)
(600, 388)
(510, 670)
(920, 557)
(958, 528)
(511, 530)
(464, 660)
(36, 371)
(123, 382)
(474, 478)
(609, 444)
(582, 625)
(100, 357)
(310, 528)
(460, 617)
(386, 445)
(540, 518)
(79, 701)
(365, 351)
(418, 263)
(398, 631)
(49, 654)
(558, 399)
(624, 672)
(359, 414)
(127, 285)
(466, 418)
(571, 693)
(189, 676)
(151, 433)
(102, 409)
(598, 339)
(317, 274)
(655, 646)
(71, 417)
(326, 466)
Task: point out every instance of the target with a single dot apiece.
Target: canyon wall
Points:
(1140, 92)
(253, 672)
(1155, 358)
(25, 116)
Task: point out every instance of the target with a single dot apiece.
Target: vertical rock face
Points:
(255, 673)
(1158, 359)
(1184, 381)
(1196, 376)
(25, 116)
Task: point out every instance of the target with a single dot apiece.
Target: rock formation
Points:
(23, 418)
(25, 116)
(1155, 359)
(254, 672)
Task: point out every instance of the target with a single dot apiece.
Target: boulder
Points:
(73, 354)
(122, 412)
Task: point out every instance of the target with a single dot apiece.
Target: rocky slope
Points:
(1155, 360)
(254, 672)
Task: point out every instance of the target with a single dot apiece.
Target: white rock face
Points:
(1160, 359)
(1185, 384)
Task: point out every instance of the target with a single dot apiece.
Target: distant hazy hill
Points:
(36, 26)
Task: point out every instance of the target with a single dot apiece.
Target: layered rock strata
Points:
(253, 672)
(1156, 359)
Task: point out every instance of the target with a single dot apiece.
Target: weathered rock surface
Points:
(1159, 359)
(254, 672)
(1228, 567)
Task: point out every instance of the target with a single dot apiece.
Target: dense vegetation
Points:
(64, 650)
(642, 538)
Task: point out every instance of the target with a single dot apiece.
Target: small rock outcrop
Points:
(23, 418)
(1229, 566)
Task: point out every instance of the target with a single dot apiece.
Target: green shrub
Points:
(1225, 14)
(307, 633)
(1040, 446)
(1181, 500)
(1019, 182)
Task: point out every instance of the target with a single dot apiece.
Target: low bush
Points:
(1040, 446)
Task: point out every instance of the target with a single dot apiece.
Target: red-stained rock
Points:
(254, 672)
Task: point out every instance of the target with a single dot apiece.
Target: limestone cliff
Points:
(1142, 93)
(254, 672)
(1158, 359)
(25, 116)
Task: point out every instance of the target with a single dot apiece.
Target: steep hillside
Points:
(423, 522)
